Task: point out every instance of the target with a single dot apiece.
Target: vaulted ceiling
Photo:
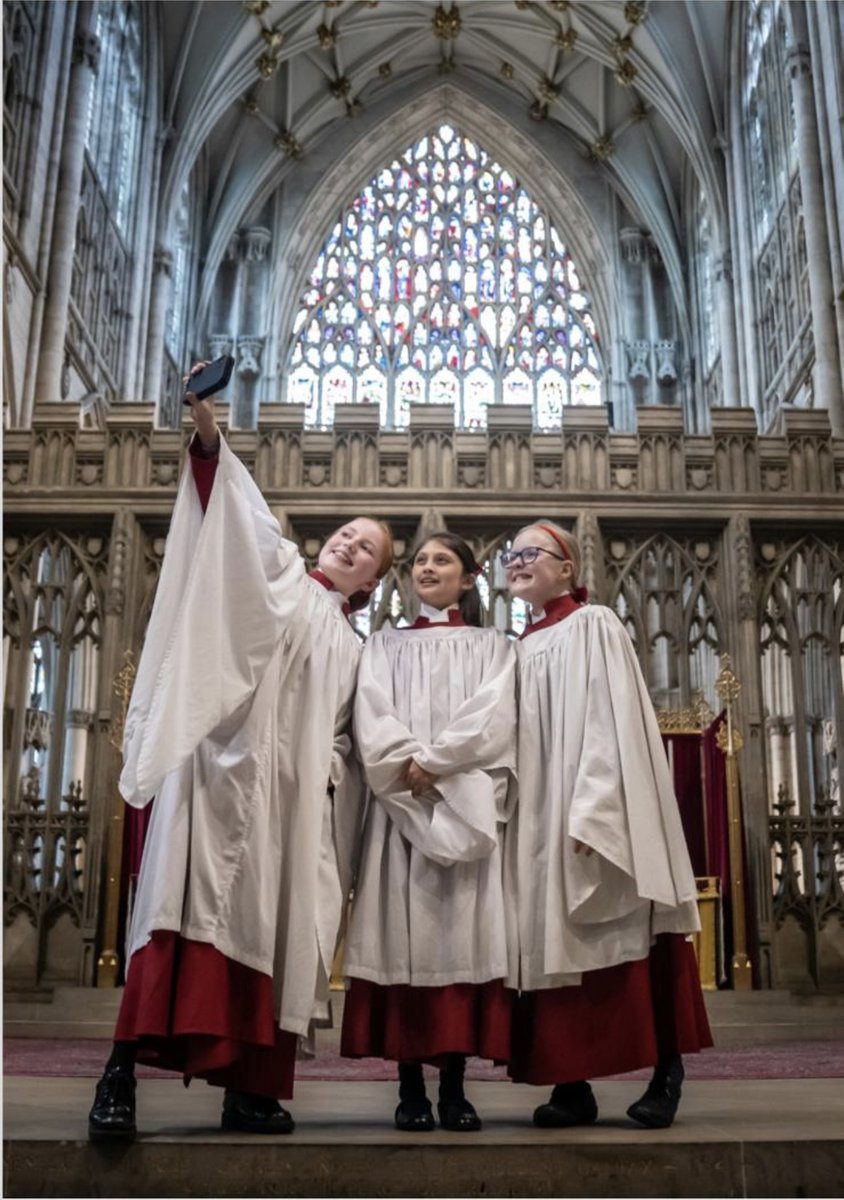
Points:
(254, 90)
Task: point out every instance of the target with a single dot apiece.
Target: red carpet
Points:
(785, 1060)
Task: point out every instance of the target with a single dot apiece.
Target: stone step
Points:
(732, 1138)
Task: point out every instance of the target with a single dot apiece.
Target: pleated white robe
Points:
(429, 906)
(239, 725)
(592, 767)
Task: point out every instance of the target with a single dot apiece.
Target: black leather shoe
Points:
(658, 1107)
(414, 1116)
(570, 1104)
(113, 1114)
(246, 1113)
(459, 1116)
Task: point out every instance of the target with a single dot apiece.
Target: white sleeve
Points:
(231, 588)
(455, 822)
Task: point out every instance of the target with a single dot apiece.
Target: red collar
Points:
(321, 578)
(455, 617)
(555, 610)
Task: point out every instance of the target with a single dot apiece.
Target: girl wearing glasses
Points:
(426, 954)
(604, 886)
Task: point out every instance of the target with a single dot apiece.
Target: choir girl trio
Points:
(503, 814)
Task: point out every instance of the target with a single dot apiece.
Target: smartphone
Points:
(210, 379)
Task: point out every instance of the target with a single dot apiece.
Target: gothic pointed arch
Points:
(443, 281)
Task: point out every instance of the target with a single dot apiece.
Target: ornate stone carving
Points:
(743, 561)
(666, 369)
(256, 242)
(639, 352)
(249, 357)
(219, 344)
(446, 25)
(86, 49)
(632, 246)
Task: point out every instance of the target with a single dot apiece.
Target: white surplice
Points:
(592, 767)
(429, 907)
(239, 725)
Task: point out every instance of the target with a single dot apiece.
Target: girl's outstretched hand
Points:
(202, 412)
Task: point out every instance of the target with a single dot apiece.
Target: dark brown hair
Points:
(470, 601)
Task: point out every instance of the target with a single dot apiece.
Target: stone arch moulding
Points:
(551, 190)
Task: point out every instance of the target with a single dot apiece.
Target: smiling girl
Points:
(239, 725)
(426, 952)
(604, 887)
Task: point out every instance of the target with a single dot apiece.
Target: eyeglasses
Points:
(529, 555)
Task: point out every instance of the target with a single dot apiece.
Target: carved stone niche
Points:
(735, 441)
(318, 455)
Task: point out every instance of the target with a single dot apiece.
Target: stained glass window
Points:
(113, 133)
(443, 282)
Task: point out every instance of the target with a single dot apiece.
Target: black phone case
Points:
(211, 379)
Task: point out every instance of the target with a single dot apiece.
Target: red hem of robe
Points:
(190, 1009)
(423, 1024)
(618, 1019)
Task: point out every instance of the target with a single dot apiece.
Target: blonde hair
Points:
(560, 535)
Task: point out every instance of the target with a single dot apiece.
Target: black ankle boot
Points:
(112, 1117)
(454, 1110)
(657, 1108)
(246, 1113)
(413, 1114)
(570, 1104)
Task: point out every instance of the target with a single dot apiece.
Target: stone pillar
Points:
(162, 270)
(634, 252)
(85, 60)
(742, 642)
(731, 389)
(827, 376)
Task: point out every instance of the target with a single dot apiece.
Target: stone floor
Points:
(737, 1138)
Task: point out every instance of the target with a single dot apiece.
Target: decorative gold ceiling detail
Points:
(326, 37)
(538, 111)
(273, 37)
(601, 149)
(267, 64)
(256, 7)
(625, 73)
(635, 11)
(622, 44)
(566, 39)
(340, 87)
(385, 70)
(507, 70)
(561, 5)
(251, 105)
(289, 143)
(446, 24)
(547, 89)
(640, 111)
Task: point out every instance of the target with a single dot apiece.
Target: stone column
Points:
(85, 60)
(827, 379)
(162, 270)
(731, 389)
(742, 641)
(634, 252)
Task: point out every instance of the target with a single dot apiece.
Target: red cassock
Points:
(615, 1018)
